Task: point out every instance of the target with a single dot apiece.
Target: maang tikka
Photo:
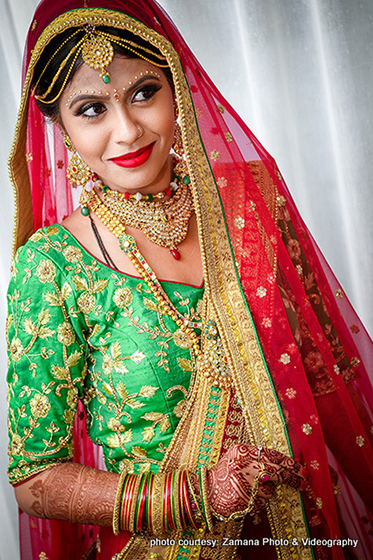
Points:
(78, 173)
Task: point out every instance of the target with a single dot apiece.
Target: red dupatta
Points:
(316, 350)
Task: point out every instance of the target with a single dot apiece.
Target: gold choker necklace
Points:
(164, 222)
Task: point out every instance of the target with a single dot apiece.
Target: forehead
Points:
(123, 73)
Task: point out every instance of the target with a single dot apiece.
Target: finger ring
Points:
(265, 477)
(259, 452)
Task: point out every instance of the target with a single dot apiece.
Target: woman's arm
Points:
(70, 492)
(80, 494)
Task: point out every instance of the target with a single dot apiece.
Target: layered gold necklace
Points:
(164, 222)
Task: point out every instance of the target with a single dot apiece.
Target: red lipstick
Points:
(134, 159)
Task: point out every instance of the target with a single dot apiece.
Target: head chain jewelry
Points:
(116, 94)
(97, 52)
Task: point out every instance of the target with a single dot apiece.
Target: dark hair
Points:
(47, 67)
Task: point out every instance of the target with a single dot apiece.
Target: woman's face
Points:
(104, 122)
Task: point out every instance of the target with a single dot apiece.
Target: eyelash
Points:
(148, 91)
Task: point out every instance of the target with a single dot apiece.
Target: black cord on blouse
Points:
(102, 247)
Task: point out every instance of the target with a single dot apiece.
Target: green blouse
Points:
(78, 329)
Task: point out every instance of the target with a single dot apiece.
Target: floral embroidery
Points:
(314, 361)
(307, 429)
(355, 362)
(240, 222)
(267, 323)
(285, 358)
(293, 248)
(315, 465)
(291, 393)
(46, 271)
(319, 503)
(221, 109)
(29, 156)
(122, 297)
(319, 378)
(354, 329)
(261, 292)
(85, 332)
(215, 155)
(228, 137)
(222, 182)
(40, 406)
(339, 293)
(360, 441)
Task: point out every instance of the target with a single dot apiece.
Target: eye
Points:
(91, 110)
(145, 92)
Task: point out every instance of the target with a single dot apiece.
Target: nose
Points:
(126, 129)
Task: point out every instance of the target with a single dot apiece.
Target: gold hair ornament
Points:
(97, 52)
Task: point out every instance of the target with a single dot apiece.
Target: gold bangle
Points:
(157, 503)
(117, 503)
(198, 512)
(205, 503)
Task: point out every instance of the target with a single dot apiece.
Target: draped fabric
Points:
(312, 368)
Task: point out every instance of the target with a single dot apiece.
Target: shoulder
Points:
(46, 256)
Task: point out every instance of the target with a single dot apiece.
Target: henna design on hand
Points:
(231, 480)
(73, 492)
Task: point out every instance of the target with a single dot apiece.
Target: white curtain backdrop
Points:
(300, 73)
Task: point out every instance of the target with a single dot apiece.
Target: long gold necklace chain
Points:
(210, 356)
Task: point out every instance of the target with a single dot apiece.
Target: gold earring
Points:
(78, 173)
(178, 141)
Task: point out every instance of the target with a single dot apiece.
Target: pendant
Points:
(175, 253)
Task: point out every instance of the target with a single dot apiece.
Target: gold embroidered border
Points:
(252, 384)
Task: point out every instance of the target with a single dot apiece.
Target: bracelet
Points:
(134, 501)
(195, 503)
(140, 506)
(184, 522)
(188, 510)
(238, 515)
(118, 503)
(127, 501)
(157, 503)
(206, 510)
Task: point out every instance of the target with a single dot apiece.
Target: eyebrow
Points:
(84, 96)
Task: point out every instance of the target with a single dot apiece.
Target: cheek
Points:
(167, 123)
(90, 145)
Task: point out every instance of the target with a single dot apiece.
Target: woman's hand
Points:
(231, 481)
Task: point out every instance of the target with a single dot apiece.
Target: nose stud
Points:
(141, 131)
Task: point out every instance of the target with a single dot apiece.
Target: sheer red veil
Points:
(316, 350)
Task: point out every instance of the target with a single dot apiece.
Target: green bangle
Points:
(206, 510)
